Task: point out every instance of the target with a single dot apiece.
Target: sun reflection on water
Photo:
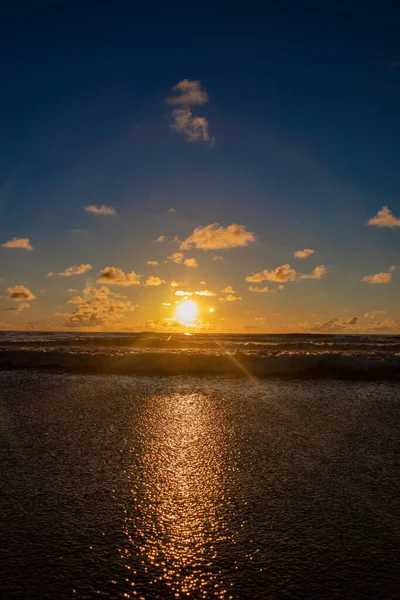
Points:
(176, 522)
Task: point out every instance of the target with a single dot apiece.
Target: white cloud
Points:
(188, 94)
(384, 218)
(74, 270)
(204, 293)
(304, 253)
(22, 243)
(228, 290)
(108, 211)
(154, 281)
(19, 293)
(115, 276)
(212, 237)
(153, 263)
(378, 278)
(182, 293)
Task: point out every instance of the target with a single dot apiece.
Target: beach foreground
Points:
(174, 487)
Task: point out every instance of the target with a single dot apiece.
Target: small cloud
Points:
(392, 268)
(160, 239)
(74, 270)
(304, 253)
(378, 278)
(115, 276)
(384, 218)
(259, 319)
(154, 281)
(182, 293)
(213, 237)
(175, 283)
(254, 288)
(21, 243)
(188, 94)
(190, 262)
(73, 290)
(228, 290)
(285, 273)
(108, 211)
(19, 293)
(373, 314)
(153, 263)
(171, 210)
(166, 304)
(230, 298)
(19, 307)
(205, 293)
(202, 283)
(218, 257)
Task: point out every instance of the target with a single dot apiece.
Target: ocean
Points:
(160, 466)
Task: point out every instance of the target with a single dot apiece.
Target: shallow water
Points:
(201, 487)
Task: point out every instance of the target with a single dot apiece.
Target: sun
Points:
(186, 313)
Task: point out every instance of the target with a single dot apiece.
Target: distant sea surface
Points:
(233, 467)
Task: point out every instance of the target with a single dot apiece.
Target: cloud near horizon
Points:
(21, 243)
(384, 218)
(19, 293)
(108, 211)
(98, 308)
(214, 237)
(116, 276)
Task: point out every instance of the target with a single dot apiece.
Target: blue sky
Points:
(301, 150)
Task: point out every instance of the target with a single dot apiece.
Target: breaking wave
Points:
(371, 365)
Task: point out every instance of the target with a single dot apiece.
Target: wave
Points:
(334, 365)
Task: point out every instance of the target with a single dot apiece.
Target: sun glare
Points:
(186, 312)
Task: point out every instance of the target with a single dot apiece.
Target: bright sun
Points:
(186, 313)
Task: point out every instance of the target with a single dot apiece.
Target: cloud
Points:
(259, 319)
(108, 211)
(285, 273)
(304, 253)
(385, 325)
(213, 237)
(218, 257)
(282, 273)
(19, 307)
(22, 243)
(115, 276)
(205, 293)
(191, 262)
(175, 283)
(171, 210)
(74, 270)
(335, 323)
(254, 288)
(19, 293)
(318, 273)
(384, 218)
(179, 259)
(152, 262)
(166, 304)
(155, 281)
(182, 293)
(160, 239)
(98, 307)
(189, 93)
(72, 290)
(195, 129)
(378, 278)
(373, 314)
(230, 298)
(392, 268)
(228, 290)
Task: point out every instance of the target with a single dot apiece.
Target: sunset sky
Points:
(247, 163)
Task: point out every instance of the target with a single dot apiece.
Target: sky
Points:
(200, 168)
